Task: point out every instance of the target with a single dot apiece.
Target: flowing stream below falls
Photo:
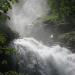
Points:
(35, 58)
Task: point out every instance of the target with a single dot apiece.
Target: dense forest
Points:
(61, 16)
(6, 36)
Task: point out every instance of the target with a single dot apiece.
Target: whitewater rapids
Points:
(36, 58)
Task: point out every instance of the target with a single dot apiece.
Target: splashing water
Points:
(38, 58)
(25, 13)
(34, 57)
(25, 19)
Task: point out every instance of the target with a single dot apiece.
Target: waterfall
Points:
(24, 15)
(35, 58)
(25, 19)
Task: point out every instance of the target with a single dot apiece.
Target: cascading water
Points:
(25, 13)
(35, 58)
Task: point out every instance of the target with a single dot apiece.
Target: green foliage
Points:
(2, 39)
(6, 59)
(62, 14)
(51, 18)
(68, 39)
(5, 54)
(5, 5)
(8, 51)
(53, 7)
(64, 9)
(6, 35)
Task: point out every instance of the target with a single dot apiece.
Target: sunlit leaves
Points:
(5, 5)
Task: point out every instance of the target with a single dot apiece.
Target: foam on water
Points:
(34, 57)
(58, 57)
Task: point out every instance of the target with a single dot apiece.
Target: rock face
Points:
(68, 39)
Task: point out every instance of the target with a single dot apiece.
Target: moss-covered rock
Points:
(68, 39)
